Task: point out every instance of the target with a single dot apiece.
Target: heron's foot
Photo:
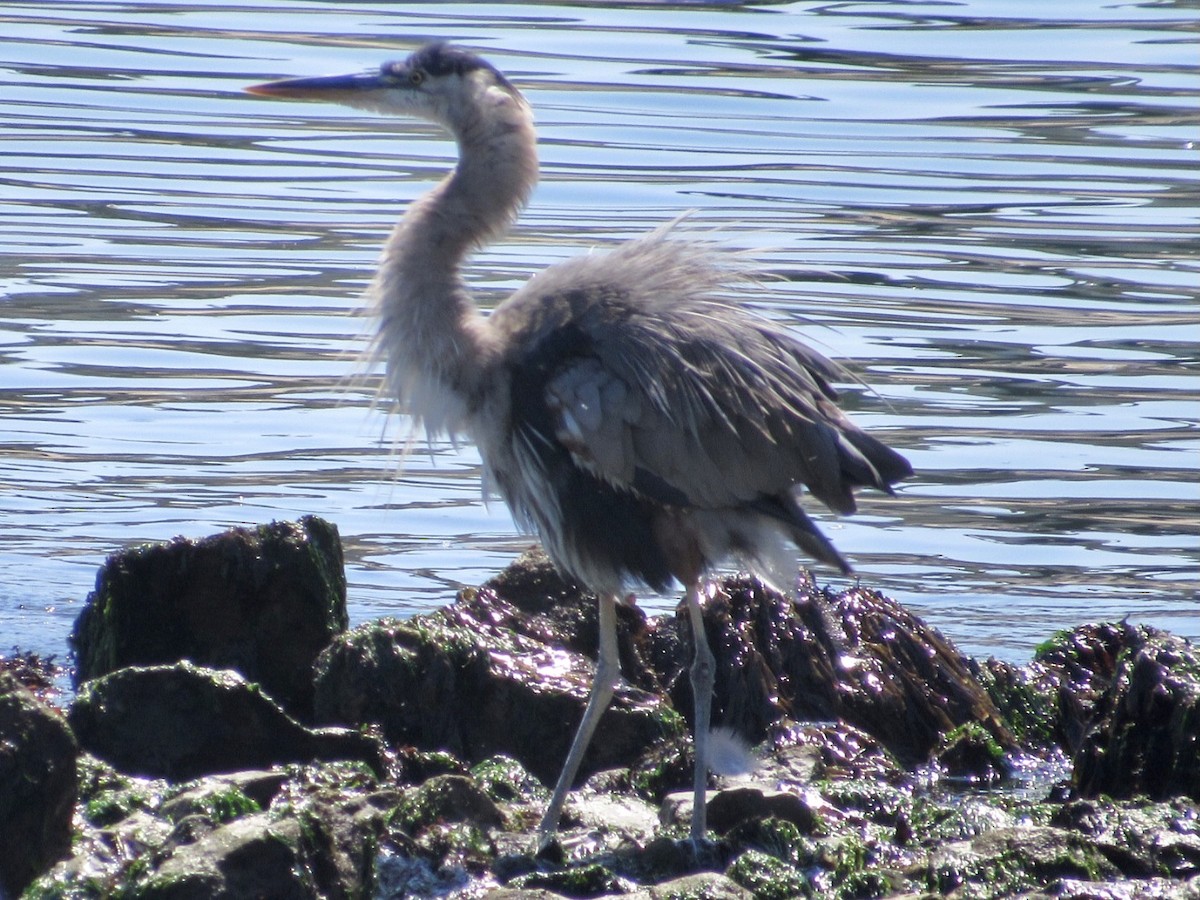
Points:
(548, 847)
(706, 853)
(547, 832)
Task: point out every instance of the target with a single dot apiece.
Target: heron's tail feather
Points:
(803, 531)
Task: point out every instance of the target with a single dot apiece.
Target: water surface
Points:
(992, 218)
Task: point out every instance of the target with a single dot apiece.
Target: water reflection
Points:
(992, 216)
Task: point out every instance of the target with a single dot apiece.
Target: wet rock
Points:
(600, 813)
(666, 766)
(107, 796)
(265, 855)
(479, 701)
(838, 751)
(589, 880)
(343, 816)
(446, 798)
(1005, 861)
(1028, 698)
(251, 857)
(183, 721)
(262, 601)
(1077, 667)
(471, 680)
(42, 676)
(505, 780)
(779, 788)
(857, 656)
(38, 785)
(223, 798)
(972, 755)
(555, 610)
(733, 806)
(1147, 737)
(764, 875)
(1133, 889)
(701, 885)
(317, 836)
(1142, 839)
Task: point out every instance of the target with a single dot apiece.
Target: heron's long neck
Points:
(432, 335)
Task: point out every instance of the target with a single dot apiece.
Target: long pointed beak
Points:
(331, 88)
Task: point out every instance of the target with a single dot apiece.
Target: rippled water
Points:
(994, 218)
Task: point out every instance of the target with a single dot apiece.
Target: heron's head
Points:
(439, 82)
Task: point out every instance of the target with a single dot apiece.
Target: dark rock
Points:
(1005, 861)
(666, 859)
(415, 766)
(830, 811)
(664, 767)
(1141, 839)
(38, 786)
(1128, 889)
(42, 676)
(446, 798)
(208, 838)
(842, 751)
(342, 823)
(1147, 737)
(183, 721)
(701, 885)
(1077, 667)
(505, 780)
(1028, 697)
(604, 817)
(764, 875)
(767, 794)
(261, 601)
(484, 676)
(588, 880)
(857, 656)
(254, 856)
(970, 754)
(554, 610)
(733, 806)
(223, 798)
(107, 796)
(470, 680)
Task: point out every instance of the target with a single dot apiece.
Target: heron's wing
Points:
(711, 408)
(655, 386)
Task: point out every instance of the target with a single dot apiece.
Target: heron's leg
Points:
(703, 673)
(608, 669)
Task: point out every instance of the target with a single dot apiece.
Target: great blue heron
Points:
(644, 425)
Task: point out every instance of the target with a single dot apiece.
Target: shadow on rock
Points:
(183, 721)
(38, 786)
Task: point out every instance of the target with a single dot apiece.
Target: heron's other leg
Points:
(703, 673)
(608, 669)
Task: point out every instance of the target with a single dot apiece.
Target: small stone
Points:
(699, 886)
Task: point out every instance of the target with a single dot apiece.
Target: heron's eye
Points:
(416, 77)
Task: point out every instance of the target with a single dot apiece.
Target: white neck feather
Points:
(436, 342)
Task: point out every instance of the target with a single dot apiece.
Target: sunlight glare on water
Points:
(991, 217)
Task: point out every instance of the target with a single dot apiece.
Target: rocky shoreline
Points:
(231, 737)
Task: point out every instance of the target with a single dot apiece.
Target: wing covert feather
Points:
(720, 419)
